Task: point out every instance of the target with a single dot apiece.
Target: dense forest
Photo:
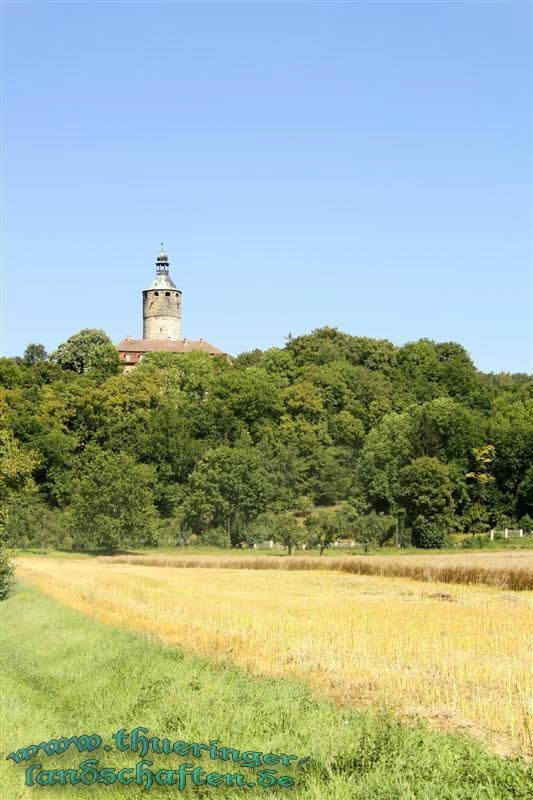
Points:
(409, 442)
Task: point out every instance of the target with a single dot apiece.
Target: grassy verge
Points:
(498, 546)
(64, 674)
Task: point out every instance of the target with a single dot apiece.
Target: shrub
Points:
(526, 523)
(6, 575)
(430, 534)
(214, 537)
(32, 523)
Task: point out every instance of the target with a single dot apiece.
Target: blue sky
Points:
(362, 165)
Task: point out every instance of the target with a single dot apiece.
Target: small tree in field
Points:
(254, 532)
(373, 529)
(289, 531)
(324, 528)
(284, 528)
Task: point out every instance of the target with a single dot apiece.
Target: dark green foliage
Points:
(525, 494)
(34, 353)
(112, 502)
(425, 494)
(330, 417)
(526, 523)
(13, 373)
(16, 465)
(228, 489)
(214, 537)
(33, 524)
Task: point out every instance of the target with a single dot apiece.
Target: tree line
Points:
(409, 442)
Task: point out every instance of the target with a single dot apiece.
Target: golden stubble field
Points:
(457, 655)
(504, 570)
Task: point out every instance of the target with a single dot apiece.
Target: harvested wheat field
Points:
(511, 570)
(458, 656)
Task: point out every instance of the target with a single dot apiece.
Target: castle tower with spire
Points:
(161, 322)
(162, 304)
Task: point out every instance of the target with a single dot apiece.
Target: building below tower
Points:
(161, 322)
(131, 350)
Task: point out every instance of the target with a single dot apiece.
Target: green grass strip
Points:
(64, 674)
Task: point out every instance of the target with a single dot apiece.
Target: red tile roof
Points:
(129, 345)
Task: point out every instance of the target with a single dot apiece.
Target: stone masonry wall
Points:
(161, 314)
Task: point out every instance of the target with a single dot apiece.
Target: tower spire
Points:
(162, 262)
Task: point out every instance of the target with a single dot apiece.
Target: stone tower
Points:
(162, 304)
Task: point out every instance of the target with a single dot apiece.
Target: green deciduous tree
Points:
(387, 449)
(284, 528)
(13, 373)
(16, 467)
(511, 433)
(89, 351)
(112, 502)
(324, 527)
(34, 353)
(480, 482)
(424, 494)
(445, 429)
(328, 416)
(525, 495)
(373, 529)
(228, 488)
(432, 369)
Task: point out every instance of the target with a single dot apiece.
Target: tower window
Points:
(156, 294)
(167, 294)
